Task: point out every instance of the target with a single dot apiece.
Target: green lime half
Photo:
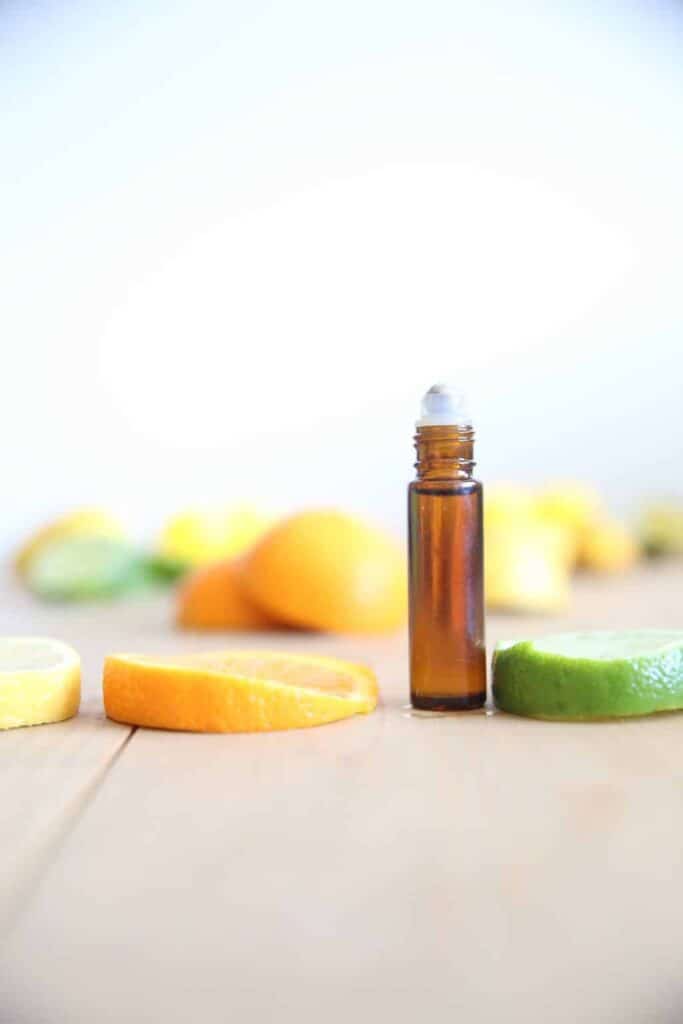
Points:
(591, 675)
(86, 568)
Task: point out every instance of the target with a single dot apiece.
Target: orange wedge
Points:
(213, 597)
(235, 691)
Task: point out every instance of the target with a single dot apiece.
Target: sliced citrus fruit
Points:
(662, 528)
(591, 675)
(572, 503)
(213, 597)
(235, 691)
(608, 546)
(86, 568)
(200, 535)
(325, 570)
(78, 523)
(527, 567)
(40, 681)
(509, 503)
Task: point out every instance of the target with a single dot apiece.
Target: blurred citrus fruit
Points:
(213, 597)
(197, 536)
(608, 546)
(516, 506)
(165, 570)
(235, 691)
(40, 681)
(527, 567)
(81, 522)
(325, 570)
(661, 528)
(74, 568)
(505, 503)
(570, 503)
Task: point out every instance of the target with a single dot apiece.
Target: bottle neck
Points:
(444, 453)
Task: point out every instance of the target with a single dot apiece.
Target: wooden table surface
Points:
(405, 867)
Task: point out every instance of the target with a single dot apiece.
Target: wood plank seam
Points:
(47, 851)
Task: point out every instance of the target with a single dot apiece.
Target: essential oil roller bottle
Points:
(446, 563)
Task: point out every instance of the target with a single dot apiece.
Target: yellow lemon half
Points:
(198, 536)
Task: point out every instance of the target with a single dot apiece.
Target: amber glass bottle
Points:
(447, 650)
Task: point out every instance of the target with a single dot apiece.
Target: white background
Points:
(240, 239)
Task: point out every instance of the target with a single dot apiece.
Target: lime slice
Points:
(80, 522)
(40, 681)
(86, 568)
(591, 675)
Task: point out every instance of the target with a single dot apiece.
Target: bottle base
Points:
(466, 702)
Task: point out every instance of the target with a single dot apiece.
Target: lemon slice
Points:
(591, 675)
(235, 691)
(40, 681)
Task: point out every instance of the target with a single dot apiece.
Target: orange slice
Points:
(235, 691)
